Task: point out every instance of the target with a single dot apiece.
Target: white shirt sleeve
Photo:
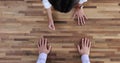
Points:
(42, 58)
(46, 4)
(85, 59)
(82, 1)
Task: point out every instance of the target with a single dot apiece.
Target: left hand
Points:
(80, 15)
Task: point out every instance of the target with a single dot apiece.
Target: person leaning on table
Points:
(83, 49)
(65, 6)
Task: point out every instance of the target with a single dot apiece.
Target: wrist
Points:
(43, 53)
(51, 22)
(85, 55)
(79, 6)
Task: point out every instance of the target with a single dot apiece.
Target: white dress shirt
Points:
(43, 57)
(47, 4)
(85, 58)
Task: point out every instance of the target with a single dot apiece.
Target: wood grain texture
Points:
(23, 22)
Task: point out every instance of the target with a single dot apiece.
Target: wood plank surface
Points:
(23, 22)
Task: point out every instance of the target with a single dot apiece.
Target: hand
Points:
(43, 47)
(80, 15)
(51, 25)
(84, 48)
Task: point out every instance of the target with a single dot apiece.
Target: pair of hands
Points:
(83, 48)
(78, 14)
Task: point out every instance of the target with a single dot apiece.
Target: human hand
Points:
(84, 48)
(50, 19)
(51, 25)
(80, 15)
(43, 46)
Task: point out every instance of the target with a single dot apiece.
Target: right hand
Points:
(84, 48)
(43, 46)
(51, 25)
(80, 15)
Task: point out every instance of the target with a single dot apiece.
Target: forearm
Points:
(42, 58)
(49, 13)
(80, 4)
(82, 1)
(47, 6)
(85, 58)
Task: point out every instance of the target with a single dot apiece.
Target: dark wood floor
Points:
(23, 22)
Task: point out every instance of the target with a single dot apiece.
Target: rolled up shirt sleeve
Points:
(46, 4)
(42, 58)
(82, 1)
(85, 58)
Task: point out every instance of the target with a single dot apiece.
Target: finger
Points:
(83, 42)
(89, 44)
(50, 27)
(49, 48)
(38, 44)
(78, 47)
(45, 42)
(88, 41)
(73, 16)
(53, 27)
(83, 20)
(78, 21)
(80, 44)
(42, 41)
(85, 17)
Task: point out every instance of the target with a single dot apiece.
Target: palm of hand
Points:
(43, 47)
(43, 50)
(84, 50)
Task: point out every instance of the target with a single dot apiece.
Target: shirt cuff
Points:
(82, 1)
(43, 56)
(85, 58)
(46, 4)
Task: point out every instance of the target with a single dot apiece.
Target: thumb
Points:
(85, 17)
(78, 47)
(73, 16)
(53, 27)
(50, 27)
(49, 48)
